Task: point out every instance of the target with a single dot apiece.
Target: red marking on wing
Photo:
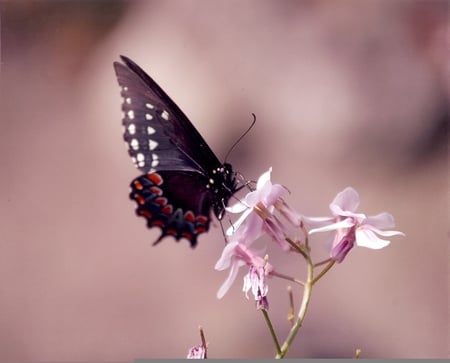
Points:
(202, 219)
(189, 216)
(139, 199)
(168, 209)
(145, 213)
(187, 235)
(199, 230)
(138, 185)
(155, 178)
(161, 201)
(172, 232)
(156, 190)
(157, 223)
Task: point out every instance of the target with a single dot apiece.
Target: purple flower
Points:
(353, 228)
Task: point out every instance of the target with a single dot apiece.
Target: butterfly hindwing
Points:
(179, 212)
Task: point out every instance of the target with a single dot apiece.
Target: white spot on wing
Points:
(155, 160)
(128, 100)
(140, 160)
(148, 116)
(130, 114)
(150, 130)
(149, 105)
(131, 129)
(152, 144)
(134, 144)
(165, 115)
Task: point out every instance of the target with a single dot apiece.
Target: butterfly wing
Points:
(183, 180)
(158, 133)
(177, 202)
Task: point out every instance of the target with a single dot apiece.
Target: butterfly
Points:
(183, 181)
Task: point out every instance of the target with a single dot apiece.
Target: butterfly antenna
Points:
(241, 137)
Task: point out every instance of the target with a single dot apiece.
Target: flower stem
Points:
(286, 277)
(271, 329)
(291, 315)
(323, 272)
(297, 248)
(301, 313)
(317, 264)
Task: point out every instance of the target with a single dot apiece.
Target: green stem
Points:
(297, 248)
(317, 264)
(323, 272)
(271, 329)
(286, 277)
(301, 313)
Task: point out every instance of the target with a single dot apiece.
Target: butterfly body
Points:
(183, 181)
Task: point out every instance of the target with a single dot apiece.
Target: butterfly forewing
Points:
(158, 133)
(183, 180)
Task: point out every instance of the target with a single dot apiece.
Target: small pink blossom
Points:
(353, 228)
(256, 281)
(237, 253)
(257, 209)
(197, 352)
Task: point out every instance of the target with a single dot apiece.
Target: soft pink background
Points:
(345, 93)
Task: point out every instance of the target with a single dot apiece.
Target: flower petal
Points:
(232, 229)
(238, 207)
(316, 222)
(382, 220)
(230, 279)
(265, 177)
(346, 223)
(347, 200)
(367, 238)
(275, 192)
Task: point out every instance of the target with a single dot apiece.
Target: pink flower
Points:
(197, 352)
(257, 209)
(353, 228)
(235, 255)
(255, 281)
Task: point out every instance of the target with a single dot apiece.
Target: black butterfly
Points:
(183, 179)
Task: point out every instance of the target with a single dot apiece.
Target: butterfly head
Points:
(223, 185)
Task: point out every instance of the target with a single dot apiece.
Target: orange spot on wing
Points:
(139, 199)
(138, 185)
(155, 178)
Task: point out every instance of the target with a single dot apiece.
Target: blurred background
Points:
(345, 93)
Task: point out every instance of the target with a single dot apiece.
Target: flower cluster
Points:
(265, 212)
